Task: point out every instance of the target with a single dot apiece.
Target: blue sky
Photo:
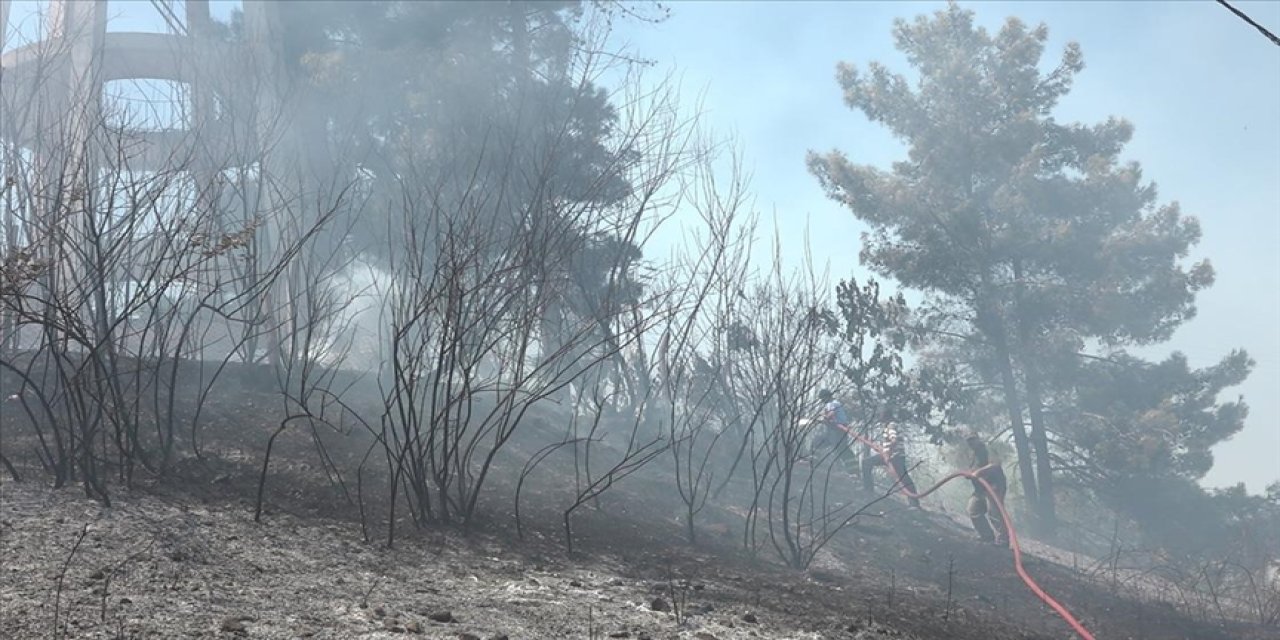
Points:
(1201, 87)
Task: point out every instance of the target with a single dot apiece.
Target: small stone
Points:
(703, 635)
(499, 636)
(658, 604)
(443, 616)
(620, 634)
(468, 636)
(233, 624)
(750, 617)
(380, 612)
(98, 575)
(575, 583)
(126, 601)
(413, 626)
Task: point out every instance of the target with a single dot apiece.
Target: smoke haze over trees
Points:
(425, 231)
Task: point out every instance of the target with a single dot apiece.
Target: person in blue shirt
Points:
(832, 441)
(832, 410)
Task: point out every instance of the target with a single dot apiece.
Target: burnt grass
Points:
(182, 556)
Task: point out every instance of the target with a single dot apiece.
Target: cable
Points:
(1008, 525)
(1240, 14)
(175, 23)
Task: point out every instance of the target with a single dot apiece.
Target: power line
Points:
(1261, 29)
(171, 18)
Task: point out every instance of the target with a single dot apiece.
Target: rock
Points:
(413, 626)
(468, 636)
(575, 583)
(616, 582)
(234, 624)
(98, 575)
(750, 617)
(126, 601)
(620, 634)
(658, 604)
(500, 636)
(379, 612)
(703, 635)
(442, 616)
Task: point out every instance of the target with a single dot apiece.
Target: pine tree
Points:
(1030, 237)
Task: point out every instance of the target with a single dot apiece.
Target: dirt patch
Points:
(153, 567)
(184, 558)
(156, 566)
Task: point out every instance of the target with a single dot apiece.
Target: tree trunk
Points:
(992, 324)
(1045, 508)
(1013, 402)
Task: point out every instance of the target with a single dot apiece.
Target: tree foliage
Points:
(489, 89)
(1031, 238)
(1129, 418)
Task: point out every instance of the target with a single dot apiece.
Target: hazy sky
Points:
(1201, 87)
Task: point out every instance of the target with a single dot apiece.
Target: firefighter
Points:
(893, 443)
(984, 511)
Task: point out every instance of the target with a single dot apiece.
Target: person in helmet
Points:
(984, 510)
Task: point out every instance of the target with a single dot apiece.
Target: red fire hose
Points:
(1008, 525)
